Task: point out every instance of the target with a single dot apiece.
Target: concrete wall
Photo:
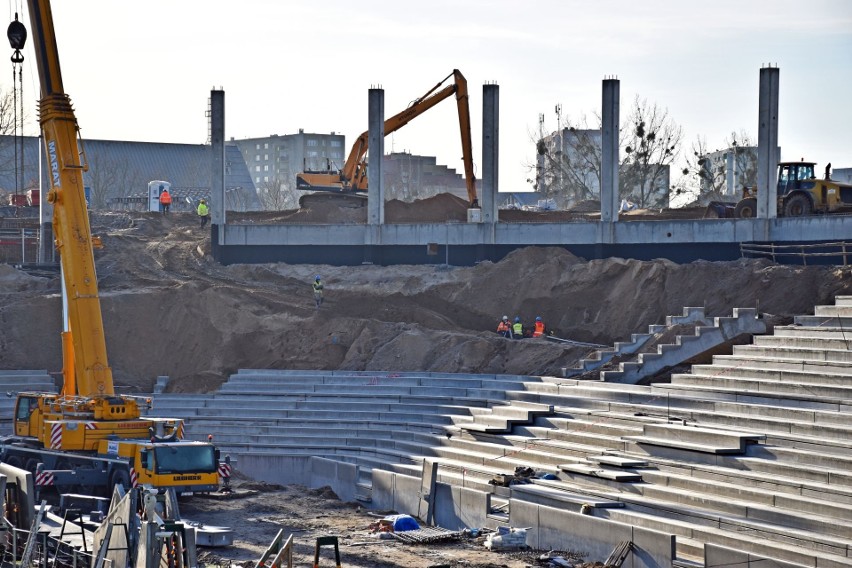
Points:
(677, 240)
(555, 529)
(310, 471)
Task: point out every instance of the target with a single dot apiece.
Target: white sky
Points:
(144, 70)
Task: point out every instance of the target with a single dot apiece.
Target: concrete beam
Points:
(376, 137)
(767, 143)
(609, 151)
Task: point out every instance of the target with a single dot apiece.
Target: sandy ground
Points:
(311, 513)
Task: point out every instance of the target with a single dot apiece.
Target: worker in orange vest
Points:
(503, 327)
(539, 327)
(165, 201)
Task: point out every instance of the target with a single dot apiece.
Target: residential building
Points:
(277, 159)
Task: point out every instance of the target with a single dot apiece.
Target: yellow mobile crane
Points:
(353, 176)
(87, 436)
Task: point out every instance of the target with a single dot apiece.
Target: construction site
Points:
(326, 385)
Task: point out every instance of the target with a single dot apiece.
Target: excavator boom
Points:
(353, 176)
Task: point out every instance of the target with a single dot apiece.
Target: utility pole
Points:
(559, 154)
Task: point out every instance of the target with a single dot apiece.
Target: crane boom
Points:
(71, 229)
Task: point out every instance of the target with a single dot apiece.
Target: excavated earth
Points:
(169, 309)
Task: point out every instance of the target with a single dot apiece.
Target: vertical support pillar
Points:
(730, 169)
(376, 141)
(767, 144)
(609, 150)
(490, 152)
(217, 144)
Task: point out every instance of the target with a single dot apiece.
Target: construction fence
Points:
(833, 253)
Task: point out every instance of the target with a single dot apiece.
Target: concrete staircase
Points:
(752, 452)
(601, 357)
(706, 337)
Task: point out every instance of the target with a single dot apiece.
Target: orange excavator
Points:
(353, 176)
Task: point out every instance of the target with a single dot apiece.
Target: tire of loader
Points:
(798, 205)
(746, 208)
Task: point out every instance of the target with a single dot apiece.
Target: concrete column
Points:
(376, 142)
(730, 167)
(490, 152)
(609, 150)
(767, 144)
(217, 143)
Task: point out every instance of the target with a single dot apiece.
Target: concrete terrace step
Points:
(755, 370)
(708, 440)
(833, 311)
(839, 322)
(794, 353)
(797, 548)
(272, 382)
(810, 341)
(501, 420)
(786, 389)
(807, 331)
(753, 495)
(828, 368)
(736, 471)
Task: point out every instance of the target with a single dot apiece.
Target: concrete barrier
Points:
(555, 529)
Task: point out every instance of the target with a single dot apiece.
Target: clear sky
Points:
(144, 70)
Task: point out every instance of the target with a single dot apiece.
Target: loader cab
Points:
(795, 175)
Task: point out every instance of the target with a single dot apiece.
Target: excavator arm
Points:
(353, 176)
(71, 228)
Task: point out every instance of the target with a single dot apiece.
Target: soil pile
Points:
(170, 310)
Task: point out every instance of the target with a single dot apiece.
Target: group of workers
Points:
(203, 210)
(517, 330)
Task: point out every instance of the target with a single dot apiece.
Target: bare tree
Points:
(108, 177)
(568, 162)
(720, 175)
(278, 193)
(653, 144)
(568, 165)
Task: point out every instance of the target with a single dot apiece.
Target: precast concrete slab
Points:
(839, 322)
(833, 370)
(806, 331)
(805, 341)
(780, 388)
(833, 311)
(556, 495)
(754, 370)
(795, 353)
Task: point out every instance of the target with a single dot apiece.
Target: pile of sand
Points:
(170, 310)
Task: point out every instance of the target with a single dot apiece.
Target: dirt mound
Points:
(438, 209)
(170, 310)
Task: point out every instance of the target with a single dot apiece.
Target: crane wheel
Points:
(798, 205)
(15, 461)
(120, 476)
(32, 465)
(746, 208)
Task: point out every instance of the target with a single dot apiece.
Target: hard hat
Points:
(517, 319)
(318, 277)
(505, 317)
(203, 201)
(538, 318)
